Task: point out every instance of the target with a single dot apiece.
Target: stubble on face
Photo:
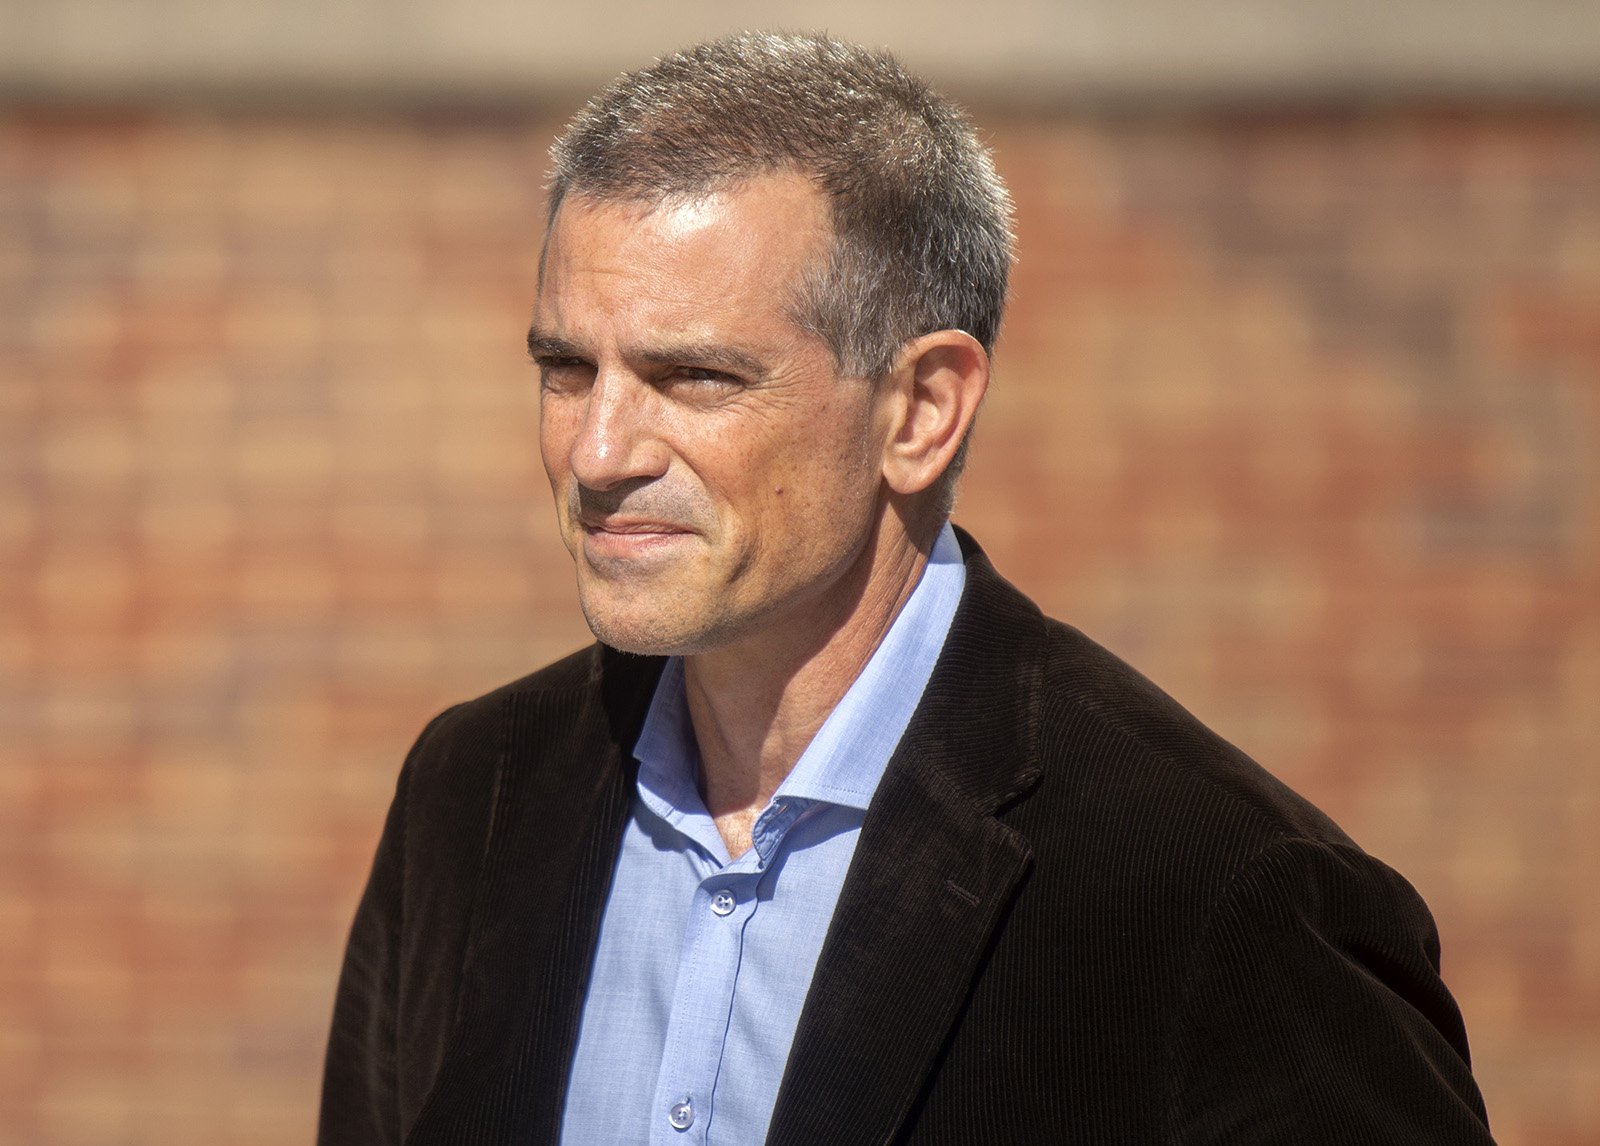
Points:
(634, 600)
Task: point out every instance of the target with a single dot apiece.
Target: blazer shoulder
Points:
(583, 671)
(576, 671)
(595, 688)
(1101, 741)
(1163, 750)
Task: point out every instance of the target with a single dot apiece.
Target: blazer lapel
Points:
(932, 877)
(537, 914)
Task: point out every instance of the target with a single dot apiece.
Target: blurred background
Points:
(1297, 408)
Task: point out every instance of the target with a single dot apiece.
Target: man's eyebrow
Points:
(713, 355)
(548, 346)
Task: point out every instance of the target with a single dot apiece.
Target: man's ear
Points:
(939, 380)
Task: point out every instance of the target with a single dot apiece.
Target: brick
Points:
(1294, 411)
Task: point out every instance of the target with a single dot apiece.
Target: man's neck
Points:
(756, 706)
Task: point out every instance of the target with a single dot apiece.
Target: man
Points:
(834, 838)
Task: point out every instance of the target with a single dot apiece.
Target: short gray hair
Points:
(921, 221)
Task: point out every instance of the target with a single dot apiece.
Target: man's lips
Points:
(630, 527)
(630, 539)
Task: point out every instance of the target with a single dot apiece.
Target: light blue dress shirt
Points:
(703, 962)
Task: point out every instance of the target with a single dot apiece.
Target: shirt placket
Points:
(707, 984)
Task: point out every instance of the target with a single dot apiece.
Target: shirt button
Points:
(723, 902)
(681, 1116)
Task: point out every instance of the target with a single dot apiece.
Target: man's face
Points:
(715, 479)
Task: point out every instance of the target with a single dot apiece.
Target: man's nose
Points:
(617, 440)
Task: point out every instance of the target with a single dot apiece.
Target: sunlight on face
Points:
(714, 477)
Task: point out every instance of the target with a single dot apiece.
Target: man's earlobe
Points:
(942, 378)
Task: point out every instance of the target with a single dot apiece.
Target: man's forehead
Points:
(784, 194)
(712, 279)
(677, 219)
(692, 261)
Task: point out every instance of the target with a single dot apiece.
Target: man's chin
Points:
(630, 631)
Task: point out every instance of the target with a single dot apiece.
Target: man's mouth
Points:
(630, 539)
(628, 526)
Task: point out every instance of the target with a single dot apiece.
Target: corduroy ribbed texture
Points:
(1074, 915)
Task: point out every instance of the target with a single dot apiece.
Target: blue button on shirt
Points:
(703, 962)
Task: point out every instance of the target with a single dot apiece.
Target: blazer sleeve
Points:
(1315, 1012)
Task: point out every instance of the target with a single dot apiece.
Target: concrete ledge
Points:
(1021, 51)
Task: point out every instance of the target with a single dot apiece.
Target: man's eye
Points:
(702, 374)
(563, 373)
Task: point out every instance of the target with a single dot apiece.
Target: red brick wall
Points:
(1299, 414)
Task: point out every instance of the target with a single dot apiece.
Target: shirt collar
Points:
(846, 758)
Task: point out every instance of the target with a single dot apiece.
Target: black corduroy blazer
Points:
(1074, 915)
